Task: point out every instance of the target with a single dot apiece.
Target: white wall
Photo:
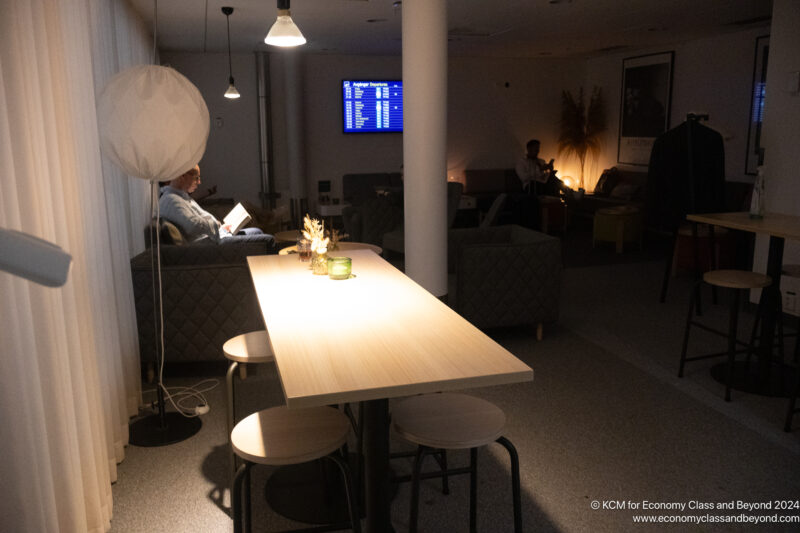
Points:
(712, 76)
(781, 128)
(231, 161)
(329, 152)
(488, 122)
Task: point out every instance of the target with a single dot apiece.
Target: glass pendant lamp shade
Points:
(284, 32)
(232, 92)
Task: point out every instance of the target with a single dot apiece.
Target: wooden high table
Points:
(779, 227)
(375, 336)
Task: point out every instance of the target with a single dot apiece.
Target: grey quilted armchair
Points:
(208, 297)
(369, 221)
(505, 276)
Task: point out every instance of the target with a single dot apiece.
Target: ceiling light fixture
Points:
(231, 93)
(284, 32)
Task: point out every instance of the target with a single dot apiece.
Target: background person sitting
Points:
(532, 171)
(178, 207)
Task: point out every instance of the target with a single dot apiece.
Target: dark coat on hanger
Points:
(675, 188)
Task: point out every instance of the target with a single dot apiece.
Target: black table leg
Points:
(769, 302)
(376, 465)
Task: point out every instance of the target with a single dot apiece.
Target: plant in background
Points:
(581, 126)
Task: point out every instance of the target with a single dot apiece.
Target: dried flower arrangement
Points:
(314, 232)
(335, 237)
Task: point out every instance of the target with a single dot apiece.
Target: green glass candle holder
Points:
(339, 267)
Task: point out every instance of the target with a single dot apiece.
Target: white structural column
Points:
(425, 142)
(294, 130)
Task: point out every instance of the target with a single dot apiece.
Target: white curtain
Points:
(68, 356)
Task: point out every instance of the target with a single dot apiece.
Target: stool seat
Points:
(737, 279)
(252, 347)
(283, 436)
(449, 421)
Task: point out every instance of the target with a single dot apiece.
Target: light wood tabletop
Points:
(377, 335)
(779, 227)
(773, 224)
(369, 338)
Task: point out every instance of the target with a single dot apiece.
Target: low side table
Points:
(621, 224)
(553, 211)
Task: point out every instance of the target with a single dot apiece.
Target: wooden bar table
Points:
(767, 381)
(375, 336)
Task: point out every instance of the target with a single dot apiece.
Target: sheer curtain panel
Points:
(68, 356)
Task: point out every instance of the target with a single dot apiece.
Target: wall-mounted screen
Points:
(372, 106)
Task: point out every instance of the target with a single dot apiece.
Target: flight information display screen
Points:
(370, 106)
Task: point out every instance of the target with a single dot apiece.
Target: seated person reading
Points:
(178, 207)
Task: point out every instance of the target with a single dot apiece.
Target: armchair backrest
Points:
(454, 189)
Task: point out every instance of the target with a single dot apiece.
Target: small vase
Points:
(319, 263)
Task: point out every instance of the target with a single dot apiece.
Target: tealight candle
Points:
(339, 267)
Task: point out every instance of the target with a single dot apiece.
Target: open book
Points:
(237, 218)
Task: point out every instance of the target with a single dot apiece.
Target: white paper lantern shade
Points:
(153, 122)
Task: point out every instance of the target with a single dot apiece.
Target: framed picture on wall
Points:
(645, 105)
(757, 105)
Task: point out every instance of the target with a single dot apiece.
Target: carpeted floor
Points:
(605, 419)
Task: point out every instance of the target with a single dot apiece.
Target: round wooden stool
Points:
(253, 347)
(281, 436)
(451, 421)
(738, 281)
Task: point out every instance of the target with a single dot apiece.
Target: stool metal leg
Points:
(732, 327)
(441, 458)
(754, 334)
(352, 501)
(686, 331)
(231, 409)
(793, 399)
(473, 490)
(668, 269)
(236, 497)
(515, 485)
(248, 503)
(422, 451)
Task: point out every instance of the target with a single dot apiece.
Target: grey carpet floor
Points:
(605, 419)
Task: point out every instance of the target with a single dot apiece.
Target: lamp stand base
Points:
(149, 432)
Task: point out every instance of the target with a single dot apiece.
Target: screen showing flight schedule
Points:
(372, 106)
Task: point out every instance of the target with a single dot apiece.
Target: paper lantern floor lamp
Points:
(154, 125)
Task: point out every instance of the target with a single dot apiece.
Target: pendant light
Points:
(284, 32)
(231, 92)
